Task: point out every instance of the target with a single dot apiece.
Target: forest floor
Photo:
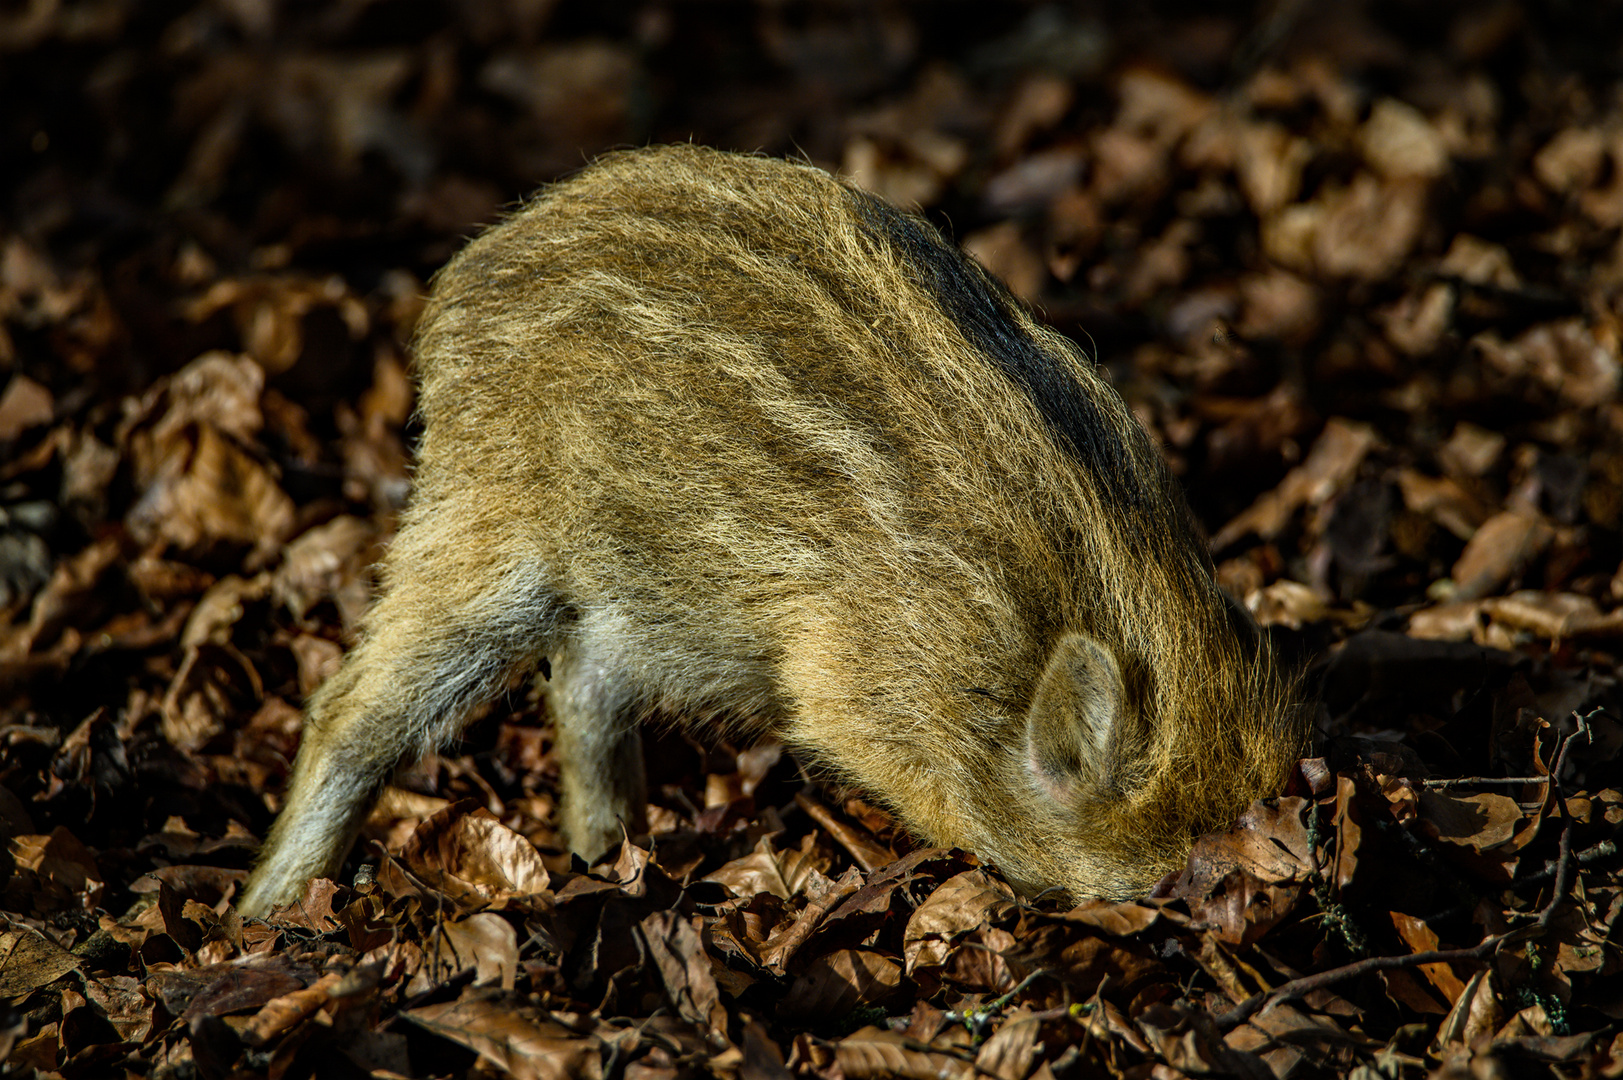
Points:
(1357, 266)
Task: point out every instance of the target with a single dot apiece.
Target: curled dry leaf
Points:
(328, 562)
(957, 906)
(1567, 357)
(519, 1045)
(474, 858)
(25, 404)
(768, 870)
(684, 969)
(1330, 467)
(841, 982)
(485, 942)
(29, 960)
(1497, 551)
(873, 1053)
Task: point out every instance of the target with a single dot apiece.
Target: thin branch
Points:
(1298, 988)
(1482, 781)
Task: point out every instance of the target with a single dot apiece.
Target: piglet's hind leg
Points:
(429, 655)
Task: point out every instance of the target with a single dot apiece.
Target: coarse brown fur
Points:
(726, 439)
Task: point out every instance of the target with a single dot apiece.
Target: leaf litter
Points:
(1360, 277)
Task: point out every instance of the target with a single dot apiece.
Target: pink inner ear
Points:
(1055, 787)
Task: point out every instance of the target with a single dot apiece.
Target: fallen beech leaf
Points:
(840, 982)
(1442, 500)
(1475, 260)
(1557, 616)
(65, 870)
(822, 895)
(280, 1014)
(223, 989)
(1287, 603)
(1572, 161)
(1421, 938)
(1400, 143)
(1329, 467)
(1369, 227)
(328, 562)
(24, 404)
(1498, 550)
(959, 905)
(505, 1038)
(1475, 1016)
(684, 969)
(29, 960)
(1569, 357)
(873, 1053)
(209, 489)
(1119, 918)
(121, 999)
(1480, 822)
(1009, 1053)
(485, 942)
(1470, 451)
(767, 870)
(475, 858)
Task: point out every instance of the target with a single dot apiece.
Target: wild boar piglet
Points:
(722, 439)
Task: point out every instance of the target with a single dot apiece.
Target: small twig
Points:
(1564, 870)
(1603, 850)
(1482, 781)
(1298, 988)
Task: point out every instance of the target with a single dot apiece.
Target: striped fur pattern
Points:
(730, 442)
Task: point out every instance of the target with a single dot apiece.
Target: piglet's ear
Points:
(1079, 726)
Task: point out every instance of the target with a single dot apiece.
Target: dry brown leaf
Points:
(1369, 227)
(207, 488)
(521, 1046)
(1287, 603)
(873, 1053)
(685, 970)
(1119, 918)
(1470, 451)
(29, 960)
(223, 989)
(1443, 500)
(840, 982)
(1278, 305)
(768, 870)
(62, 869)
(1270, 161)
(1480, 822)
(25, 404)
(1416, 324)
(1557, 616)
(328, 562)
(476, 859)
(957, 906)
(1472, 259)
(1568, 357)
(1497, 551)
(279, 1015)
(485, 942)
(1330, 466)
(1448, 622)
(822, 896)
(1009, 1053)
(1475, 1016)
(1400, 143)
(1421, 938)
(1003, 249)
(1572, 161)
